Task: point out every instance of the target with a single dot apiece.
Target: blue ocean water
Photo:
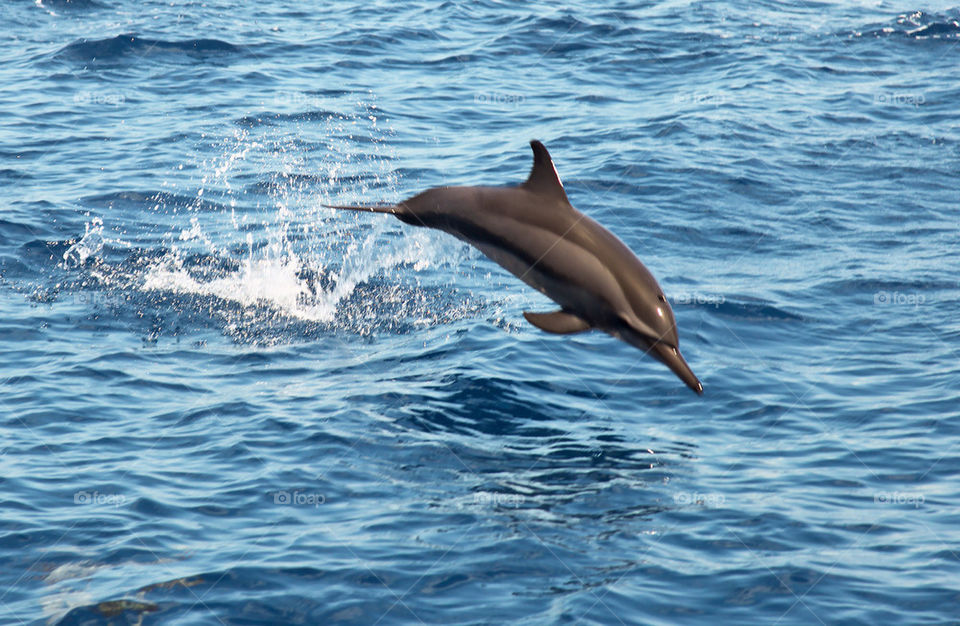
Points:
(225, 404)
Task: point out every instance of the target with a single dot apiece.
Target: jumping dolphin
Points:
(534, 232)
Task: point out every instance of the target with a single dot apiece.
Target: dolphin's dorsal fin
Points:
(543, 177)
(558, 322)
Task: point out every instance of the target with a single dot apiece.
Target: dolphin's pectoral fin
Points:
(559, 322)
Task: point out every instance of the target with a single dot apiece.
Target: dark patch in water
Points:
(127, 45)
(149, 199)
(917, 25)
(272, 119)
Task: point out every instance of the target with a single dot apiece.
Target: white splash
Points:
(90, 245)
(275, 276)
(289, 265)
(272, 281)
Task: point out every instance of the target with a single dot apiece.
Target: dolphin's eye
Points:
(661, 298)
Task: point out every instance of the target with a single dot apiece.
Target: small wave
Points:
(876, 286)
(270, 119)
(115, 48)
(939, 30)
(70, 4)
(495, 407)
(14, 231)
(126, 609)
(758, 310)
(916, 25)
(14, 175)
(155, 199)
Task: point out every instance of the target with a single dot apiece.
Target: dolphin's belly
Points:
(565, 273)
(569, 272)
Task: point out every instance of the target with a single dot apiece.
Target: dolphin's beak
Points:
(672, 358)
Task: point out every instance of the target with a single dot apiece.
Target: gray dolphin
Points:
(534, 232)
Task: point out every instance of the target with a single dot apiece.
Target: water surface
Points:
(224, 403)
